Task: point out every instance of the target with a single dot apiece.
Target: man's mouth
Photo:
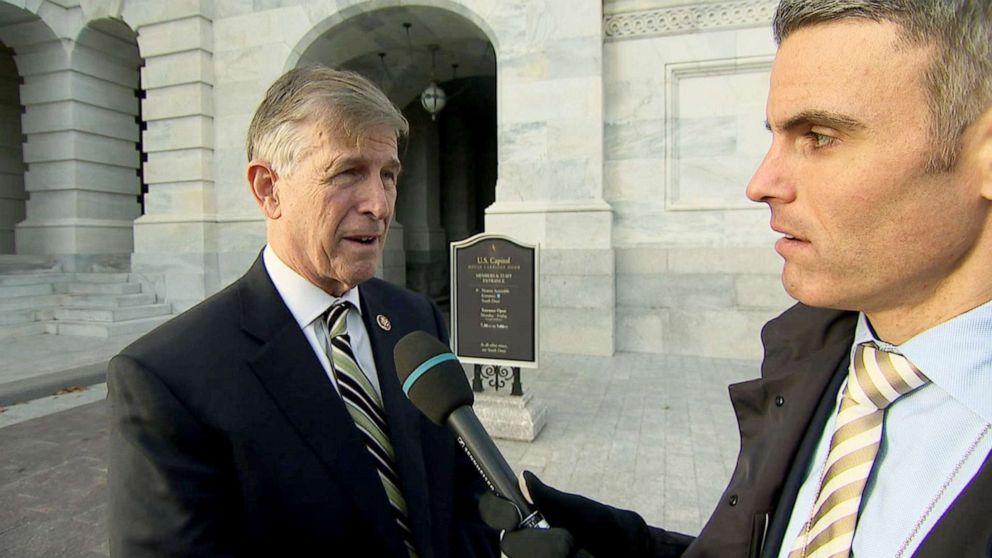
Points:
(363, 239)
(786, 234)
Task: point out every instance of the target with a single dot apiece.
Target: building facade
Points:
(618, 135)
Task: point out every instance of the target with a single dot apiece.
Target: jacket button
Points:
(779, 401)
(733, 500)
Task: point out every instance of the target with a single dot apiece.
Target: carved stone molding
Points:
(710, 155)
(688, 19)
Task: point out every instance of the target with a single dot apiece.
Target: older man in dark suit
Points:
(869, 432)
(268, 420)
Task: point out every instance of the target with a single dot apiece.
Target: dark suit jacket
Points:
(228, 439)
(781, 416)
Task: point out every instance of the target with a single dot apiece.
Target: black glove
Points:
(500, 513)
(577, 523)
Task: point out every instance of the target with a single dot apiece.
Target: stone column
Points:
(458, 188)
(175, 238)
(550, 186)
(392, 264)
(418, 207)
(80, 109)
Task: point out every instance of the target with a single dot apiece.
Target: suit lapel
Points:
(773, 413)
(961, 531)
(290, 372)
(403, 418)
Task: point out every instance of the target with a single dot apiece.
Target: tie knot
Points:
(879, 377)
(336, 318)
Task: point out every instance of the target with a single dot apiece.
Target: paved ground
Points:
(53, 478)
(649, 433)
(655, 434)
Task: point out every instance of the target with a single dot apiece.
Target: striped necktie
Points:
(875, 380)
(365, 407)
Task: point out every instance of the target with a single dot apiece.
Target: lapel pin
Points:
(383, 322)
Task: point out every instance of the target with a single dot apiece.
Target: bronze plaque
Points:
(494, 303)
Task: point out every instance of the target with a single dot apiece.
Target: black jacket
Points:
(228, 439)
(780, 417)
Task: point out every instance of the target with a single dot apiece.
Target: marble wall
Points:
(685, 88)
(625, 133)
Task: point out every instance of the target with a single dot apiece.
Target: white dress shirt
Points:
(307, 302)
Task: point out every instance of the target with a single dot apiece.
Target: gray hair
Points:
(958, 81)
(342, 101)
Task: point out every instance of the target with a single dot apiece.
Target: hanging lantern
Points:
(433, 99)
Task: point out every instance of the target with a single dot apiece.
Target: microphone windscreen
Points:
(431, 376)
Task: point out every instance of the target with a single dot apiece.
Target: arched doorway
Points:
(80, 138)
(449, 160)
(12, 195)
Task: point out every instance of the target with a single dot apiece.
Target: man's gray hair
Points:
(343, 102)
(959, 79)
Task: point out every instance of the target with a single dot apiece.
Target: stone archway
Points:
(92, 216)
(80, 132)
(449, 162)
(21, 34)
(12, 195)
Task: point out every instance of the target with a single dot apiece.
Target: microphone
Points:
(433, 379)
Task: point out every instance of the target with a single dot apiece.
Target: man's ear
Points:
(983, 151)
(262, 181)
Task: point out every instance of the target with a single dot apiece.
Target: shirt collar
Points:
(305, 300)
(956, 355)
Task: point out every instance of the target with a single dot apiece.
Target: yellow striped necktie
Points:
(875, 380)
(365, 407)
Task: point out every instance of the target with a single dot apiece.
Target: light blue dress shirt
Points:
(926, 435)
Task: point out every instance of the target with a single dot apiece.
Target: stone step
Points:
(18, 316)
(35, 302)
(24, 330)
(102, 277)
(99, 288)
(11, 291)
(104, 300)
(108, 315)
(33, 278)
(18, 263)
(110, 329)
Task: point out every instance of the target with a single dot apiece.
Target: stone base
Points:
(511, 417)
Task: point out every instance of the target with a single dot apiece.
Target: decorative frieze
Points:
(688, 19)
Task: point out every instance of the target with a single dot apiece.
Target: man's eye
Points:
(820, 140)
(346, 175)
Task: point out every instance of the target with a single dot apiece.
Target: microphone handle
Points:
(486, 457)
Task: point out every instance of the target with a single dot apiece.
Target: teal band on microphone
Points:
(423, 368)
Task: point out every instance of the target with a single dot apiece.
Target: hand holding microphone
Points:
(592, 528)
(435, 382)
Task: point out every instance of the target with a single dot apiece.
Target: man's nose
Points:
(770, 180)
(376, 201)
